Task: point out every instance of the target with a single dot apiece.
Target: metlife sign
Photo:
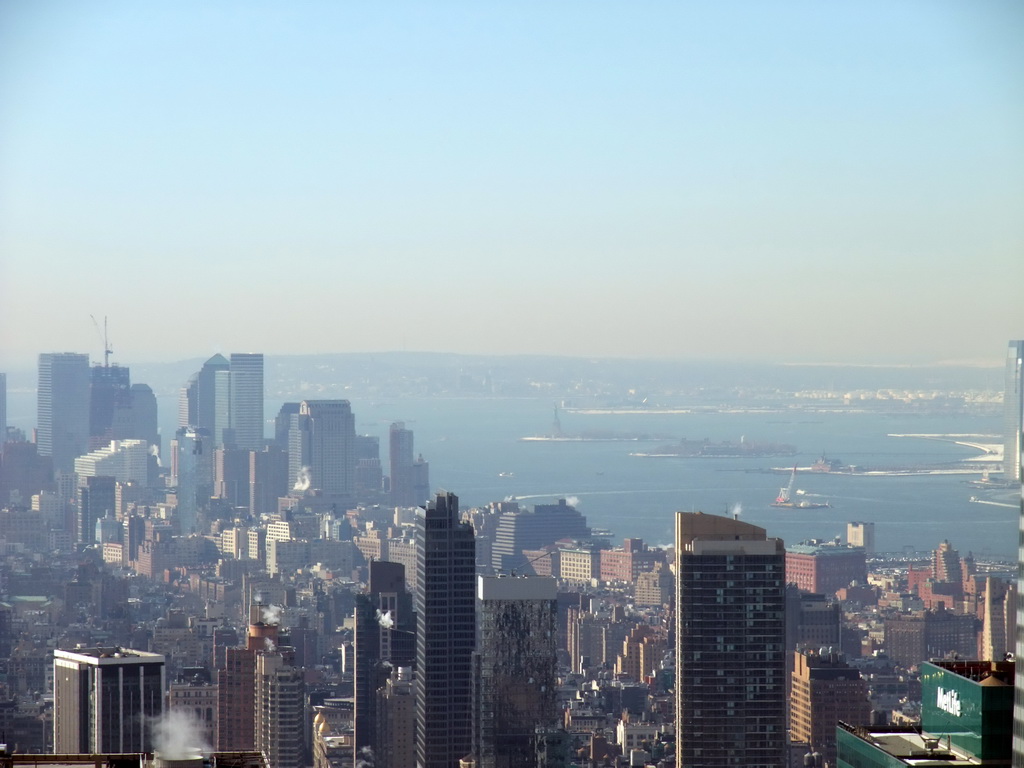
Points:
(948, 701)
(964, 702)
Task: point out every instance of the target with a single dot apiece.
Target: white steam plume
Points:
(177, 736)
(385, 620)
(573, 501)
(272, 614)
(365, 758)
(736, 510)
(268, 644)
(154, 450)
(302, 480)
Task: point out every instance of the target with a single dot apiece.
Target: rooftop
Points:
(908, 744)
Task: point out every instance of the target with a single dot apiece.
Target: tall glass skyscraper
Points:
(247, 400)
(63, 408)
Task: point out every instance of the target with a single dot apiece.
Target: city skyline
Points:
(783, 181)
(565, 647)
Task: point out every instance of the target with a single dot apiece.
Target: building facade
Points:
(825, 691)
(280, 708)
(384, 640)
(194, 463)
(445, 634)
(730, 635)
(104, 698)
(825, 568)
(210, 396)
(321, 448)
(410, 476)
(966, 720)
(861, 534)
(515, 680)
(109, 392)
(63, 408)
(246, 404)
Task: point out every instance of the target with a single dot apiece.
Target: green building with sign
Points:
(966, 720)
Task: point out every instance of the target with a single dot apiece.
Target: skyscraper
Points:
(268, 479)
(188, 402)
(136, 416)
(515, 682)
(1013, 410)
(63, 408)
(400, 458)
(246, 407)
(207, 397)
(730, 662)
(283, 423)
(97, 498)
(109, 391)
(104, 700)
(521, 529)
(194, 463)
(445, 634)
(280, 699)
(384, 639)
(321, 441)
(410, 477)
(826, 690)
(237, 684)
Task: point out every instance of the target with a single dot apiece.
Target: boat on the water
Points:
(785, 497)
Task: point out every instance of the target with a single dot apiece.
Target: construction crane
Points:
(107, 349)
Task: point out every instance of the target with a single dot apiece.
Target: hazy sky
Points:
(797, 181)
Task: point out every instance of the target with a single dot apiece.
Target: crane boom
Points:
(107, 349)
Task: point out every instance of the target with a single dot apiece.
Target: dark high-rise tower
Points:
(139, 419)
(445, 634)
(63, 401)
(1013, 410)
(730, 635)
(97, 498)
(109, 391)
(515, 682)
(384, 639)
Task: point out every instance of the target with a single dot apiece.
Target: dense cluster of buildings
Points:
(293, 601)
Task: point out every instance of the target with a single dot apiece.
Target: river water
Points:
(472, 443)
(474, 450)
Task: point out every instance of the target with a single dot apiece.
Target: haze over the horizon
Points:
(788, 181)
